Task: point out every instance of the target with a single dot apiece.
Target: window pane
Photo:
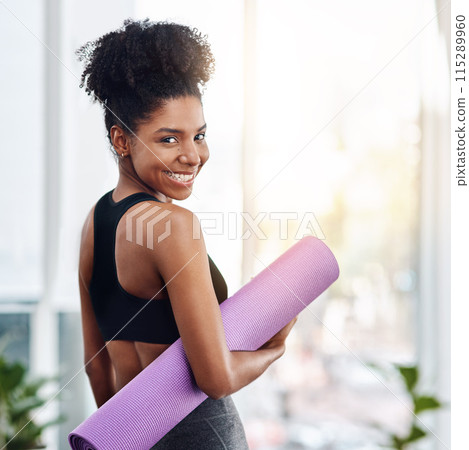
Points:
(22, 122)
(15, 335)
(339, 147)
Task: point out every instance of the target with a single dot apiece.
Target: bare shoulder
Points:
(168, 230)
(184, 219)
(145, 212)
(177, 211)
(163, 221)
(181, 222)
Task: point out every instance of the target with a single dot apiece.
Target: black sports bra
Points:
(119, 314)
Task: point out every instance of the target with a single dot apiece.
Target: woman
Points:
(144, 274)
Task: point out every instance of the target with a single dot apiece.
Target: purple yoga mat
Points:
(165, 392)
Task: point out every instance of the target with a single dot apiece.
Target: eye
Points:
(166, 139)
(203, 136)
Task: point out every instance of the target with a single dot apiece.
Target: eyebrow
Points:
(173, 130)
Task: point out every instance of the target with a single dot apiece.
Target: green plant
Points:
(410, 376)
(19, 398)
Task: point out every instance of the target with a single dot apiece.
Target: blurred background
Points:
(324, 118)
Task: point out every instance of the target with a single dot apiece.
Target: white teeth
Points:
(179, 176)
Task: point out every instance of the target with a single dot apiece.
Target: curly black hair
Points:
(132, 71)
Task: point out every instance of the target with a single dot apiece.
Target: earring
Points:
(122, 155)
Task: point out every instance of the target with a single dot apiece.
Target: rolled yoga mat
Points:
(165, 392)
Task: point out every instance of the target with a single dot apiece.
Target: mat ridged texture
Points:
(165, 392)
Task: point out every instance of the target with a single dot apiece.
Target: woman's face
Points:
(173, 140)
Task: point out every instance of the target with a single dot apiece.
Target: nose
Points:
(190, 154)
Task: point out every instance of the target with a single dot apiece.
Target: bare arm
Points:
(182, 261)
(98, 364)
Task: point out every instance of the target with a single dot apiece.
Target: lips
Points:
(181, 177)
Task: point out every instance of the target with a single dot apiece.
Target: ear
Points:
(120, 141)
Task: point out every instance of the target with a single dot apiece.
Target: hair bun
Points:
(143, 49)
(135, 68)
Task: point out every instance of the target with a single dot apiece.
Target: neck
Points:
(129, 184)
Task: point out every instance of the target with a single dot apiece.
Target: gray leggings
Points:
(213, 425)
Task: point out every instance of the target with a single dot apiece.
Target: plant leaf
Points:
(397, 442)
(415, 434)
(425, 402)
(410, 375)
(22, 408)
(27, 438)
(11, 376)
(18, 398)
(31, 387)
(60, 419)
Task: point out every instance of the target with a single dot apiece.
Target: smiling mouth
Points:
(182, 178)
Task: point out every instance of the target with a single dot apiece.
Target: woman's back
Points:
(129, 297)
